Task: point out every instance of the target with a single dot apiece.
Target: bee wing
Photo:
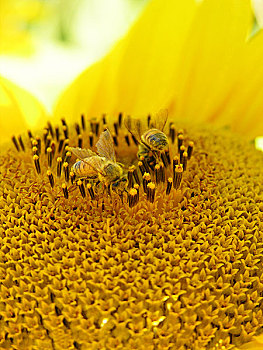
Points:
(97, 163)
(159, 120)
(135, 127)
(82, 153)
(105, 146)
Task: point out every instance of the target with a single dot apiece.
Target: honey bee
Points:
(152, 140)
(101, 166)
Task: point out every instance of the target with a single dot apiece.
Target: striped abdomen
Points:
(155, 139)
(84, 169)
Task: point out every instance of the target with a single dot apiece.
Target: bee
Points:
(101, 166)
(151, 141)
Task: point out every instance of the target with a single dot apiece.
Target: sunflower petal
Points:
(244, 108)
(207, 68)
(137, 75)
(18, 109)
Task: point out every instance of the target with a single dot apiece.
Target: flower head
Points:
(124, 269)
(171, 257)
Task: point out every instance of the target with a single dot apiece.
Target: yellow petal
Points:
(206, 70)
(243, 111)
(137, 75)
(18, 109)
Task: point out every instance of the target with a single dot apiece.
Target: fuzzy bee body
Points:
(84, 168)
(152, 140)
(102, 166)
(155, 140)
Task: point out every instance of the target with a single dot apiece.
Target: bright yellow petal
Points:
(206, 71)
(137, 75)
(18, 109)
(152, 51)
(244, 108)
(92, 92)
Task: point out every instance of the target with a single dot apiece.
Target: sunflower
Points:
(173, 260)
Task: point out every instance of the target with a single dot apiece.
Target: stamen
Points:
(180, 140)
(50, 128)
(66, 171)
(175, 163)
(157, 173)
(127, 139)
(91, 139)
(162, 172)
(182, 149)
(97, 126)
(148, 120)
(169, 185)
(38, 139)
(151, 191)
(167, 154)
(21, 143)
(146, 179)
(29, 134)
(132, 197)
(53, 147)
(34, 143)
(136, 176)
(178, 176)
(37, 164)
(104, 119)
(116, 128)
(130, 177)
(47, 143)
(141, 167)
(80, 141)
(83, 124)
(59, 166)
(67, 157)
(115, 140)
(180, 132)
(35, 150)
(65, 130)
(57, 133)
(63, 121)
(65, 147)
(50, 178)
(145, 164)
(120, 119)
(91, 191)
(61, 144)
(81, 188)
(49, 156)
(190, 149)
(45, 134)
(65, 190)
(105, 127)
(172, 132)
(77, 128)
(15, 143)
(184, 162)
(72, 177)
(164, 159)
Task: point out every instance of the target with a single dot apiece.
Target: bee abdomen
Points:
(81, 168)
(156, 139)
